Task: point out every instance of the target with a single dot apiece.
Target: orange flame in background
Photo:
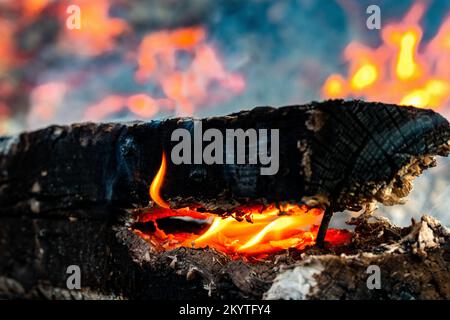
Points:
(97, 32)
(45, 100)
(190, 87)
(140, 104)
(7, 52)
(4, 116)
(397, 71)
(32, 8)
(155, 187)
(181, 86)
(8, 60)
(203, 81)
(258, 232)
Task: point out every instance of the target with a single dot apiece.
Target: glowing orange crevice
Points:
(259, 231)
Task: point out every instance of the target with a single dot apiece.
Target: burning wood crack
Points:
(222, 227)
(285, 218)
(334, 155)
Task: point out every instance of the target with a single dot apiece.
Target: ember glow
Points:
(155, 187)
(402, 70)
(255, 231)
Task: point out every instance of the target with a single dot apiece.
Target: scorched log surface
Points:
(65, 190)
(350, 153)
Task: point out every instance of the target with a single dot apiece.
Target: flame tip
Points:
(155, 186)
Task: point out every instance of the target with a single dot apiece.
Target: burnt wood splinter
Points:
(327, 215)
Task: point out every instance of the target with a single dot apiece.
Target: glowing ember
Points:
(7, 53)
(255, 231)
(397, 72)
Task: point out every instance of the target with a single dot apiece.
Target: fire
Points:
(255, 231)
(97, 32)
(402, 70)
(7, 50)
(191, 85)
(269, 231)
(365, 76)
(406, 66)
(155, 187)
(34, 7)
(142, 105)
(186, 83)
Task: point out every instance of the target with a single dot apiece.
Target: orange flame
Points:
(184, 88)
(397, 72)
(259, 231)
(155, 187)
(97, 32)
(190, 86)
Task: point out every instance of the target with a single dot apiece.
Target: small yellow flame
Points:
(334, 87)
(406, 65)
(417, 98)
(155, 187)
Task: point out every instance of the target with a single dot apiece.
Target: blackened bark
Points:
(349, 153)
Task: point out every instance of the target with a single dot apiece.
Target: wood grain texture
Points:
(349, 153)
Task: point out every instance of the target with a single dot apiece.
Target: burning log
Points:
(80, 194)
(347, 154)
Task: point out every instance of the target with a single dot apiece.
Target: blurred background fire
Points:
(150, 59)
